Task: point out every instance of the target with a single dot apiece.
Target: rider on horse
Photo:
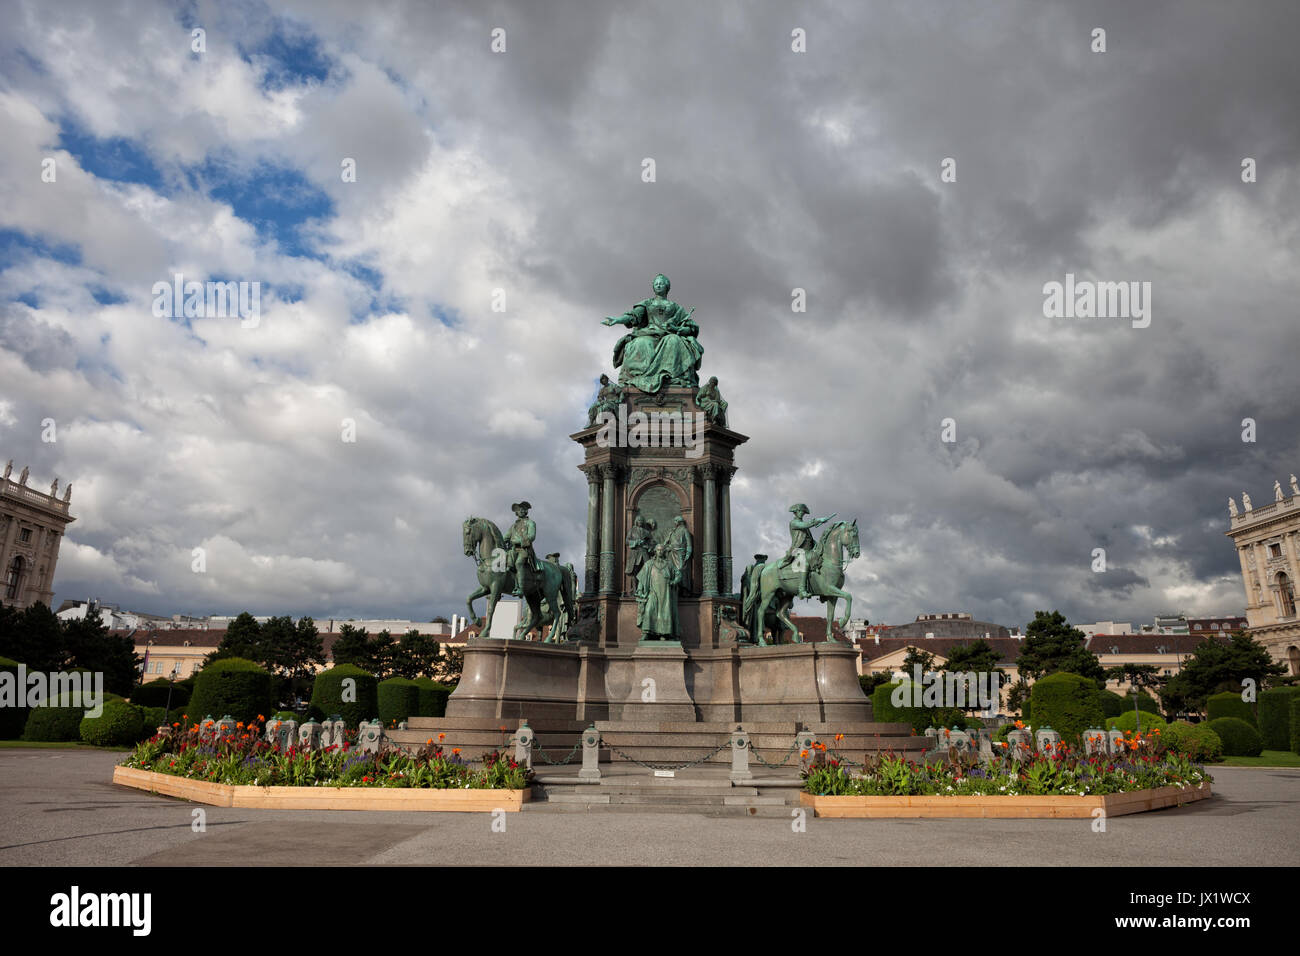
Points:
(801, 540)
(519, 540)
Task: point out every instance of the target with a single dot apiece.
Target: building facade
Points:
(1267, 538)
(31, 528)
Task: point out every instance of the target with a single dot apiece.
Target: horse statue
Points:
(549, 582)
(776, 588)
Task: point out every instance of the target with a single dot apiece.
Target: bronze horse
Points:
(484, 542)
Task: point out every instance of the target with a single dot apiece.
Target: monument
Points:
(657, 649)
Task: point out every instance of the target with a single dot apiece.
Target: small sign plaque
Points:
(665, 773)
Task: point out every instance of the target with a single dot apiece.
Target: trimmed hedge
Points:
(327, 695)
(433, 697)
(120, 725)
(1239, 738)
(1295, 725)
(1067, 703)
(1128, 721)
(1112, 704)
(1275, 717)
(1229, 704)
(154, 694)
(399, 698)
(1196, 741)
(12, 719)
(55, 724)
(231, 686)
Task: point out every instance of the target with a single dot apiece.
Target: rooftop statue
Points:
(662, 348)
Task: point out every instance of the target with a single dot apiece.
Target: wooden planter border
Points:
(322, 798)
(1005, 808)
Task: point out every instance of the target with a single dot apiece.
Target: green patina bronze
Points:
(656, 597)
(662, 349)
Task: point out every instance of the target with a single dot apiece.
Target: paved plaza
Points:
(57, 807)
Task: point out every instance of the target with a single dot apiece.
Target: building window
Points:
(14, 578)
(25, 535)
(1286, 593)
(1275, 550)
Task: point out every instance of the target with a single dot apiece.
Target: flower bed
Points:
(1058, 782)
(245, 759)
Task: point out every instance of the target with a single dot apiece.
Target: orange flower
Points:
(839, 736)
(260, 717)
(240, 725)
(442, 736)
(455, 750)
(429, 742)
(1020, 725)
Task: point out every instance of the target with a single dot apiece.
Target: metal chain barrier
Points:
(538, 751)
(668, 766)
(794, 747)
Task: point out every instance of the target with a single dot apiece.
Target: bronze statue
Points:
(608, 399)
(773, 587)
(801, 544)
(712, 403)
(662, 348)
(640, 542)
(656, 598)
(520, 540)
(549, 584)
(681, 547)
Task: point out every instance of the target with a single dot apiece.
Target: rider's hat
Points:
(525, 505)
(799, 509)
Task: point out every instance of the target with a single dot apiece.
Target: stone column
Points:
(1245, 578)
(709, 586)
(724, 508)
(592, 579)
(607, 582)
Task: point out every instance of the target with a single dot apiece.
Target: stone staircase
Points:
(700, 790)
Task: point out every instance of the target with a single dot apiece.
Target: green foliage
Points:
(1112, 704)
(917, 658)
(233, 686)
(12, 719)
(1275, 717)
(120, 725)
(1051, 645)
(1239, 738)
(327, 695)
(1229, 704)
(399, 698)
(54, 723)
(869, 682)
(1215, 666)
(1068, 703)
(44, 643)
(1128, 721)
(154, 694)
(885, 711)
(415, 655)
(353, 647)
(1295, 725)
(1196, 741)
(433, 697)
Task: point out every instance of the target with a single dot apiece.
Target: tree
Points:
(450, 665)
(416, 655)
(1214, 666)
(440, 620)
(917, 656)
(87, 643)
(383, 652)
(291, 650)
(243, 638)
(1052, 645)
(353, 647)
(975, 657)
(33, 637)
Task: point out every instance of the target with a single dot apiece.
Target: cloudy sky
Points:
(774, 170)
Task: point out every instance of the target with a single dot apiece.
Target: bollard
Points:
(331, 732)
(272, 731)
(1045, 738)
(959, 740)
(1018, 744)
(590, 754)
(806, 743)
(370, 736)
(740, 773)
(985, 740)
(1094, 741)
(287, 734)
(524, 745)
(1116, 740)
(309, 735)
(932, 739)
(226, 727)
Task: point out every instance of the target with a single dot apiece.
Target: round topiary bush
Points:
(886, 711)
(12, 719)
(327, 697)
(120, 725)
(1239, 738)
(1196, 741)
(399, 698)
(1275, 717)
(1111, 703)
(231, 686)
(1067, 703)
(1229, 704)
(54, 724)
(154, 694)
(433, 697)
(1128, 721)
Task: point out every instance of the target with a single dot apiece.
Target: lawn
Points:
(1269, 758)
